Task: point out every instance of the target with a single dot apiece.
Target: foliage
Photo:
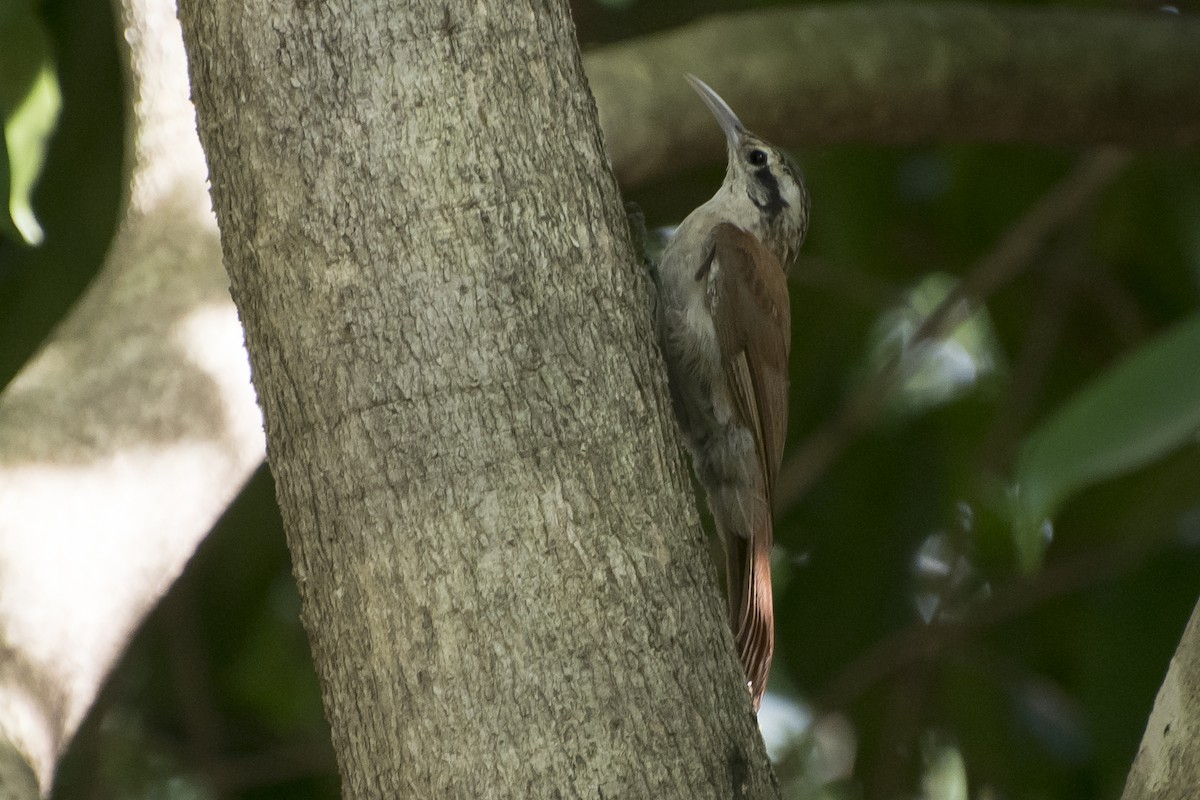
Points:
(1135, 412)
(936, 639)
(29, 103)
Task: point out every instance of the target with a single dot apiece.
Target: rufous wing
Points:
(752, 317)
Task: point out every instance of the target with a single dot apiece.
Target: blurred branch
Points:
(1056, 296)
(1070, 277)
(902, 73)
(1014, 253)
(919, 642)
(126, 436)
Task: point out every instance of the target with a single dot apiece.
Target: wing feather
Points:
(753, 324)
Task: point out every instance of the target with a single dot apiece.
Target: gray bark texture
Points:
(127, 435)
(1167, 765)
(503, 579)
(902, 73)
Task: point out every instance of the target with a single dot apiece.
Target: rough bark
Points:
(127, 435)
(1167, 765)
(902, 73)
(503, 579)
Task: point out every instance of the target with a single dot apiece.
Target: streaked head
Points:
(764, 176)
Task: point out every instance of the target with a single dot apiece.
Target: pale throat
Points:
(779, 233)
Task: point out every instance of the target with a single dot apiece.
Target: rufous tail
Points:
(751, 611)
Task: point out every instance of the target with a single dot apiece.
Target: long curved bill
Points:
(730, 124)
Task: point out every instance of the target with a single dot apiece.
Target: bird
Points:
(724, 328)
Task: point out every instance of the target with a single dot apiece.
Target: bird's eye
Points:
(757, 158)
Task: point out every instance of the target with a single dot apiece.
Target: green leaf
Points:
(29, 105)
(1138, 411)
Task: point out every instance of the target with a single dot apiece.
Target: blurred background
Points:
(989, 525)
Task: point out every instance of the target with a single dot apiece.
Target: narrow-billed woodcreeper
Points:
(724, 325)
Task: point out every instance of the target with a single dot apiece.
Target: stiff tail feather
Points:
(751, 611)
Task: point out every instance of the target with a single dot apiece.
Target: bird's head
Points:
(762, 182)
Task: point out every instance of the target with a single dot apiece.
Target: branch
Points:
(906, 646)
(1013, 254)
(128, 434)
(902, 74)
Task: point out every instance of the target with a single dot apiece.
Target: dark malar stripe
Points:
(774, 203)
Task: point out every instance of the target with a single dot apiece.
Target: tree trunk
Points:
(504, 583)
(1167, 766)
